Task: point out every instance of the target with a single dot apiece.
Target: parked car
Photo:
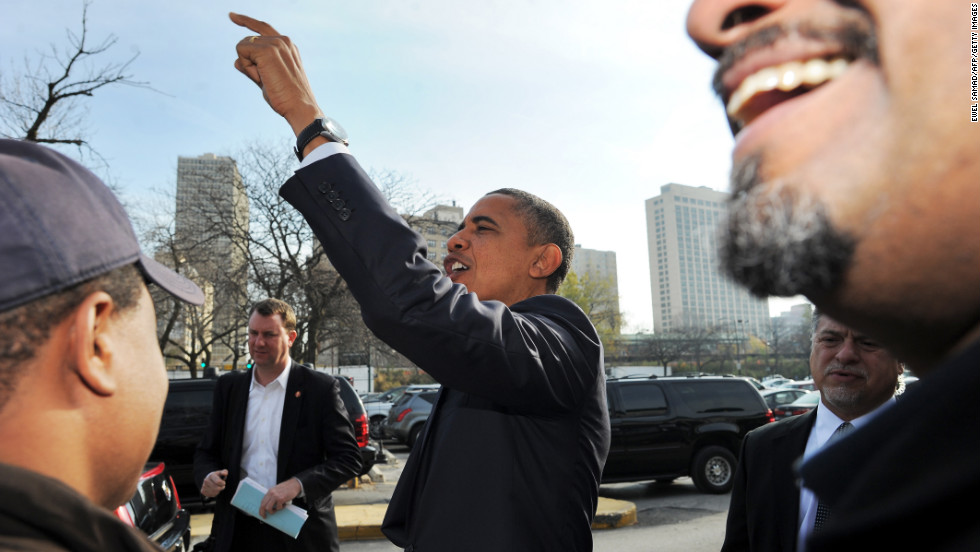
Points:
(409, 414)
(187, 413)
(806, 385)
(802, 405)
(665, 428)
(755, 383)
(379, 407)
(776, 382)
(155, 510)
(781, 395)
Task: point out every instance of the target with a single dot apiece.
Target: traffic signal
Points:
(249, 365)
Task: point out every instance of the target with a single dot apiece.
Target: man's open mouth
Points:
(772, 85)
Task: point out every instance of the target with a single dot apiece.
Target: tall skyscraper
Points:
(685, 282)
(211, 232)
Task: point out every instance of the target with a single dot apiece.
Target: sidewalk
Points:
(361, 507)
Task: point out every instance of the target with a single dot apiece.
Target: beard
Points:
(779, 241)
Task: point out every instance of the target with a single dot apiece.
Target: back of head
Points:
(545, 224)
(70, 329)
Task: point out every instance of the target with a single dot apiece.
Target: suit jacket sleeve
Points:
(541, 354)
(737, 527)
(210, 454)
(330, 458)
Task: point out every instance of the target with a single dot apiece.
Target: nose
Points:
(456, 242)
(848, 353)
(716, 24)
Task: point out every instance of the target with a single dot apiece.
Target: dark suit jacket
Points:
(316, 445)
(911, 481)
(514, 449)
(765, 504)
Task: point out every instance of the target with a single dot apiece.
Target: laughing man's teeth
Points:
(458, 266)
(786, 77)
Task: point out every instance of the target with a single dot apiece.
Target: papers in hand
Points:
(249, 495)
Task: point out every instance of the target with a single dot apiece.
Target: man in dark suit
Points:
(284, 426)
(513, 451)
(856, 379)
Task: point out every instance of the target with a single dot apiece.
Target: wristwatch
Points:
(323, 126)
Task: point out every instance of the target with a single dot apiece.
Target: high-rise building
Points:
(685, 282)
(211, 232)
(599, 266)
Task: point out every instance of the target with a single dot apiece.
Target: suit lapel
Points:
(290, 416)
(787, 449)
(237, 404)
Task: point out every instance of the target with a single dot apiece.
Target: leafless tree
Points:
(42, 103)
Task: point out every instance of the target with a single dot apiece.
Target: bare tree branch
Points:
(42, 103)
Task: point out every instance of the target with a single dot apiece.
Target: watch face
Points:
(334, 128)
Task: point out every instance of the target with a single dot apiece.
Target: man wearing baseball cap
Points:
(82, 380)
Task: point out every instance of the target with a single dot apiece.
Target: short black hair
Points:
(26, 327)
(545, 224)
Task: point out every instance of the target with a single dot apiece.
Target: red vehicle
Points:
(155, 510)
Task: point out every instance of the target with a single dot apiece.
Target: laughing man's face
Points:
(853, 138)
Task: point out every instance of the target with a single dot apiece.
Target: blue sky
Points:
(591, 105)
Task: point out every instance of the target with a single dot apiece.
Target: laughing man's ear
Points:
(91, 345)
(548, 261)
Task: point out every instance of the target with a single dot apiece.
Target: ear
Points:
(92, 345)
(548, 260)
(292, 337)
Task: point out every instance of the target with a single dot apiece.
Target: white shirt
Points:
(263, 421)
(825, 425)
(322, 152)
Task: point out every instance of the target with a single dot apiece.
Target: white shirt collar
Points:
(282, 378)
(828, 422)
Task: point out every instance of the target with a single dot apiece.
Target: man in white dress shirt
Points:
(857, 380)
(294, 439)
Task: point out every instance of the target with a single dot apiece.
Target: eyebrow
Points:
(478, 219)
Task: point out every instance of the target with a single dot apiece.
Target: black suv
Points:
(665, 428)
(186, 415)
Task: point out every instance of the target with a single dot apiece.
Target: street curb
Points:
(363, 521)
(613, 514)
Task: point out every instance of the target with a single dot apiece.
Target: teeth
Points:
(458, 266)
(786, 77)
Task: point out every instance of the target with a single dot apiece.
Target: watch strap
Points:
(307, 135)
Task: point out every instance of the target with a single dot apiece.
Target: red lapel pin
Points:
(298, 394)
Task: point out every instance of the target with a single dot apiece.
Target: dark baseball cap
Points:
(60, 226)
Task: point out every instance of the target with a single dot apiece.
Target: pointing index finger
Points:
(260, 27)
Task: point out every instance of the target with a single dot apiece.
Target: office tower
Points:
(211, 232)
(685, 282)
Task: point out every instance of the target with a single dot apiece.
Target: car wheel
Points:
(713, 470)
(376, 428)
(413, 435)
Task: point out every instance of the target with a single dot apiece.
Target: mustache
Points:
(836, 366)
(854, 38)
